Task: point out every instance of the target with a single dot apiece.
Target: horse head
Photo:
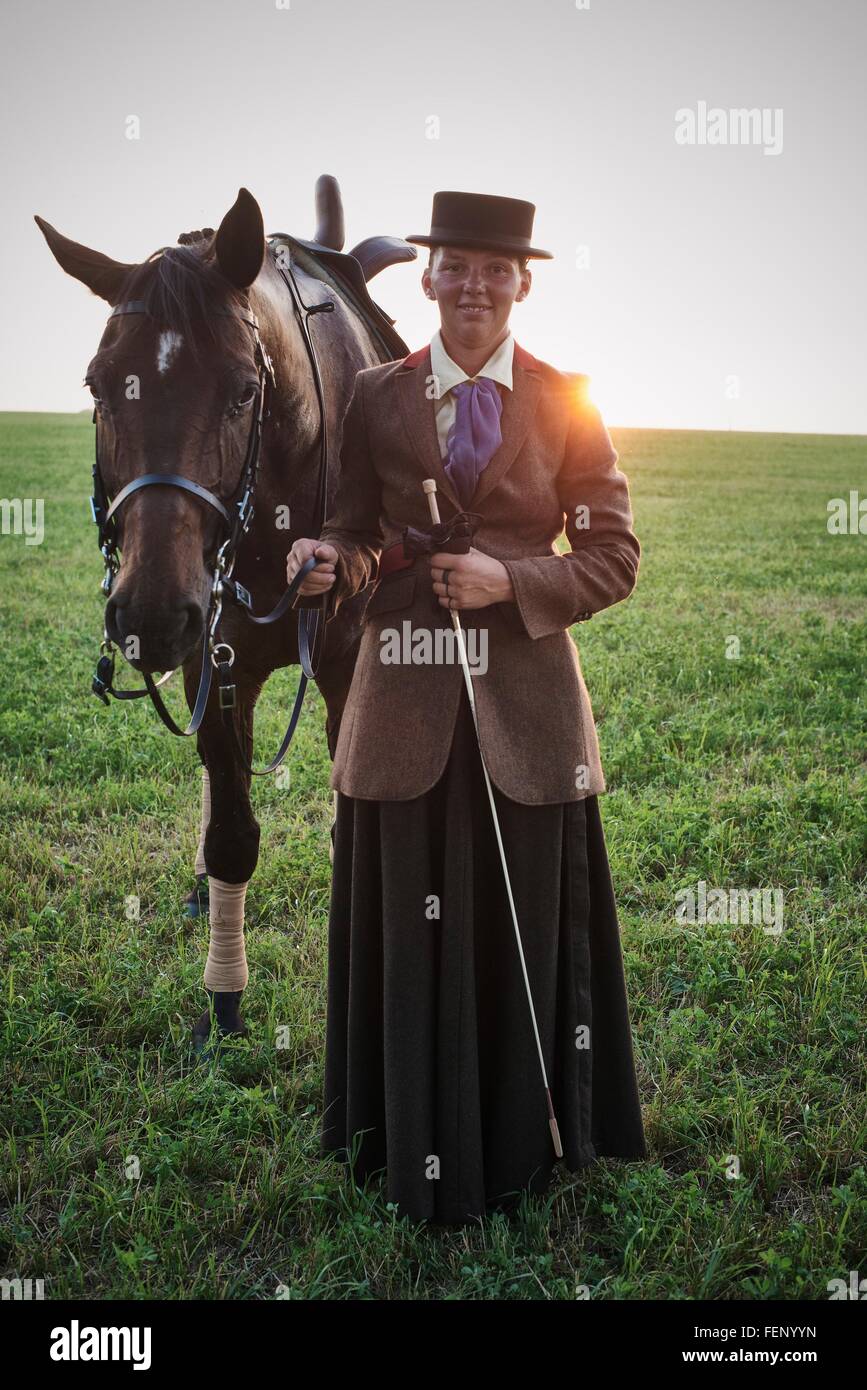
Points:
(176, 383)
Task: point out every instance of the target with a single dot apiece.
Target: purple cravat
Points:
(475, 436)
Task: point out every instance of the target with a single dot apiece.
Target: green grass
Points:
(746, 773)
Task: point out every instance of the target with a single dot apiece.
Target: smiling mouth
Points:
(475, 308)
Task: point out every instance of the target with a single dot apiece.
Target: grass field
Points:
(741, 772)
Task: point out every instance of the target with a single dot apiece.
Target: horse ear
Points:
(100, 273)
(240, 241)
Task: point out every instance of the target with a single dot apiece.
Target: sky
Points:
(714, 283)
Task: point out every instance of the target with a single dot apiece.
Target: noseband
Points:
(236, 516)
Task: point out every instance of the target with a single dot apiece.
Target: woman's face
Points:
(475, 291)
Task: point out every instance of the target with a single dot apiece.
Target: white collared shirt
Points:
(447, 374)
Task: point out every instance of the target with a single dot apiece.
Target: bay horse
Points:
(198, 333)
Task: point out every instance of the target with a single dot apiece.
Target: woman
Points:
(432, 1068)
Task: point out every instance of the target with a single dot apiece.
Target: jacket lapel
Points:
(414, 382)
(519, 409)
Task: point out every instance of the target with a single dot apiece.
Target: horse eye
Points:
(99, 403)
(249, 394)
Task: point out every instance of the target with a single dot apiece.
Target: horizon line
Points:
(659, 429)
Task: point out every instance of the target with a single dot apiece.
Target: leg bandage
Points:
(206, 820)
(226, 967)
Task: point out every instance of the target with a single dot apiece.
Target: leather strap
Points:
(168, 480)
(138, 306)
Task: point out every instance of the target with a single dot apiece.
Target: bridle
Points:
(236, 515)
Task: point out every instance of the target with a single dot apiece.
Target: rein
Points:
(236, 516)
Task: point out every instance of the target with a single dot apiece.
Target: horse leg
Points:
(231, 851)
(196, 904)
(333, 681)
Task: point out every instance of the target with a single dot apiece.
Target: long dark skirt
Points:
(431, 1068)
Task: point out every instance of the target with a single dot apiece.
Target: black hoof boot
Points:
(227, 1018)
(197, 904)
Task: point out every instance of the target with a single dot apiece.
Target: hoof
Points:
(196, 905)
(227, 1020)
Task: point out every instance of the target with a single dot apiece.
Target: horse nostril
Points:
(112, 608)
(193, 621)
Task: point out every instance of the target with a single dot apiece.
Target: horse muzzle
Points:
(152, 635)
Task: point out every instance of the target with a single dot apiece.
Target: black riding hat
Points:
(482, 220)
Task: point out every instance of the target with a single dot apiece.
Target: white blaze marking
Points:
(169, 345)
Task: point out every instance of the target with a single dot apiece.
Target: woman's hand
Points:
(320, 580)
(475, 580)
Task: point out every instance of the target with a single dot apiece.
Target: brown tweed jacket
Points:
(556, 461)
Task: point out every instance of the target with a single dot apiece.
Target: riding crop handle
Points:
(430, 488)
